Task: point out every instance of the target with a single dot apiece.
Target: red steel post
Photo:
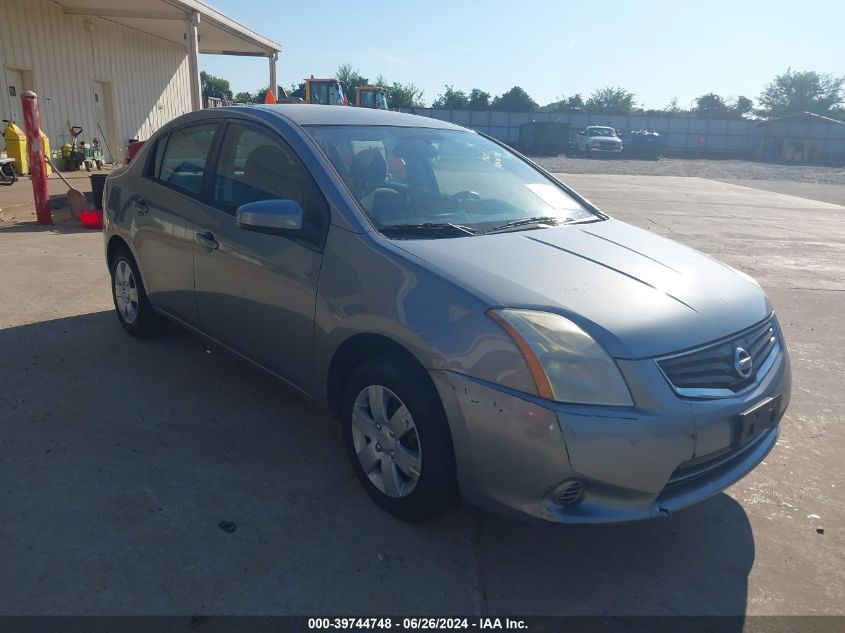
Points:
(37, 162)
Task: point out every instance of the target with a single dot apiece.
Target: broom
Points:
(75, 198)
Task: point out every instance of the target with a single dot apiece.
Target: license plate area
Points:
(750, 423)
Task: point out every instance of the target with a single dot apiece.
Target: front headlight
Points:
(567, 364)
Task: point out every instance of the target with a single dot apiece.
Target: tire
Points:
(8, 175)
(425, 444)
(587, 152)
(132, 307)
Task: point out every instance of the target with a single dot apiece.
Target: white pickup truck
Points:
(597, 139)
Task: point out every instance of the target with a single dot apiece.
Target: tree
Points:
(742, 106)
(514, 100)
(711, 105)
(566, 104)
(297, 90)
(575, 102)
(259, 96)
(674, 109)
(214, 86)
(451, 99)
(610, 100)
(350, 79)
(245, 97)
(479, 100)
(405, 96)
(802, 91)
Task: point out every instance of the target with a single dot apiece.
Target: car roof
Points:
(307, 114)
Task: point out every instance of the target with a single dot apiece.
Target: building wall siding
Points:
(148, 75)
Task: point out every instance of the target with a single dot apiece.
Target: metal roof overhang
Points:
(218, 33)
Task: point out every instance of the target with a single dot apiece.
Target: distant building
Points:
(803, 137)
(120, 69)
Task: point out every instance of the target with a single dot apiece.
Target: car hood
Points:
(637, 293)
(613, 139)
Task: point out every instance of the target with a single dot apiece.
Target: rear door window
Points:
(183, 161)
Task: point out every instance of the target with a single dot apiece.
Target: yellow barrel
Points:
(16, 147)
(45, 145)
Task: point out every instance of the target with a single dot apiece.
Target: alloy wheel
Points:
(126, 292)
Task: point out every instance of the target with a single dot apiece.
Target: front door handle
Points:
(208, 240)
(140, 205)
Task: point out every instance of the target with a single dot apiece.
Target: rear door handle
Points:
(140, 205)
(208, 240)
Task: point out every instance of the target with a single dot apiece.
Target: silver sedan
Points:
(480, 329)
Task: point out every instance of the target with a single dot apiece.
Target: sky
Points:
(657, 49)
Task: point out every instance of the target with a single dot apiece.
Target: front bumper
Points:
(606, 150)
(513, 451)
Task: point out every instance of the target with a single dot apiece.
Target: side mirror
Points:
(278, 217)
(581, 133)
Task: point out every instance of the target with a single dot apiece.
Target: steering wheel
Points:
(467, 195)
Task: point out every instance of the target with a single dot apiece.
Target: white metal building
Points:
(120, 69)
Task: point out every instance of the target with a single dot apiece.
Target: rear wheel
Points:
(398, 440)
(131, 304)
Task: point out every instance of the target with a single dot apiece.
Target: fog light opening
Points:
(569, 493)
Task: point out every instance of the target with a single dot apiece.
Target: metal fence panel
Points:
(461, 117)
(501, 132)
(678, 125)
(718, 126)
(682, 133)
(697, 126)
(479, 117)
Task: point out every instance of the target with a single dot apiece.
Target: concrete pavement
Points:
(121, 457)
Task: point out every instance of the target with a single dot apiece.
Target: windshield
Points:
(601, 131)
(326, 93)
(421, 177)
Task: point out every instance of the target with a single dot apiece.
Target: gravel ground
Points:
(702, 168)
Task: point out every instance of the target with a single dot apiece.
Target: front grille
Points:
(608, 145)
(712, 371)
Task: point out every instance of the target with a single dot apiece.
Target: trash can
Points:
(16, 147)
(45, 145)
(98, 183)
(132, 149)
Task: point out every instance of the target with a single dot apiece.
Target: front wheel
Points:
(398, 440)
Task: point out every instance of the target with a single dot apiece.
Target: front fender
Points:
(366, 286)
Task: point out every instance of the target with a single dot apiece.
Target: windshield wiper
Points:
(513, 224)
(427, 229)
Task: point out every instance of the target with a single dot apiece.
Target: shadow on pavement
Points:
(61, 227)
(122, 458)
